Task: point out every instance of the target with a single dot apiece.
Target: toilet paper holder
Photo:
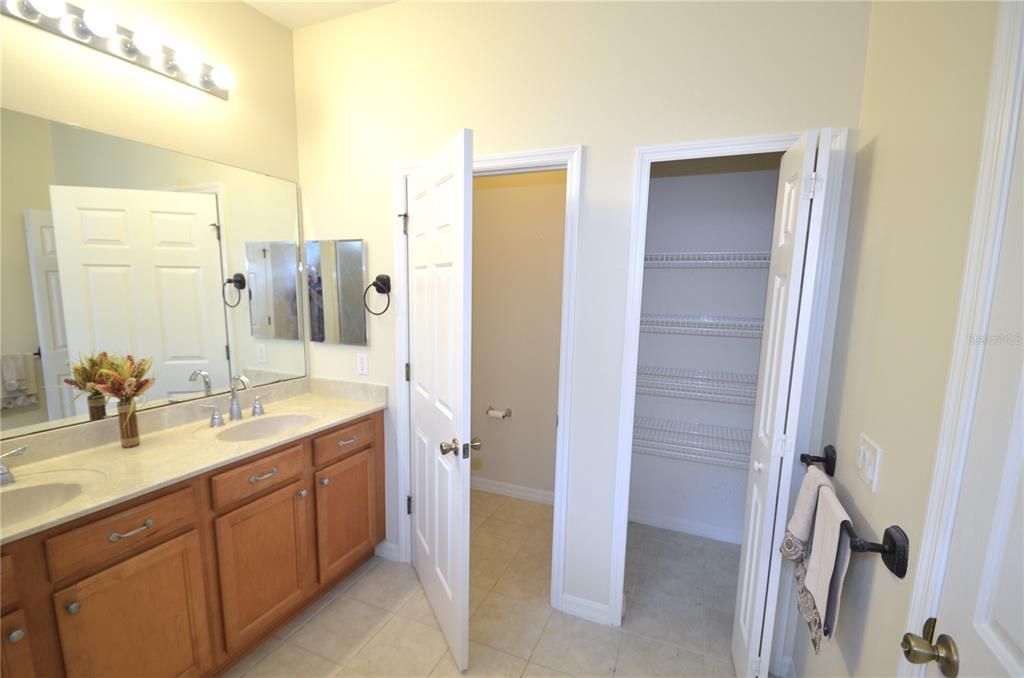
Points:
(495, 413)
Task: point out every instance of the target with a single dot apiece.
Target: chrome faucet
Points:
(6, 477)
(205, 376)
(235, 412)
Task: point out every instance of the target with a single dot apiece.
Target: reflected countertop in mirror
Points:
(113, 245)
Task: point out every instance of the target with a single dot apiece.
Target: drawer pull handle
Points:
(343, 443)
(325, 481)
(269, 474)
(15, 636)
(73, 608)
(118, 536)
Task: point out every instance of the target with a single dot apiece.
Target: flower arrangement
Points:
(124, 378)
(86, 373)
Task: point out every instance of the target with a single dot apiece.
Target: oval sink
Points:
(21, 503)
(263, 427)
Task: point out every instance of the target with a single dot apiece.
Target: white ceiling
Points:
(298, 14)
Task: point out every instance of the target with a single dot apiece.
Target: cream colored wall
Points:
(53, 78)
(921, 125)
(518, 229)
(387, 86)
(24, 185)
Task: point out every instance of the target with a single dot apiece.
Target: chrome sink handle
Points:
(257, 404)
(216, 419)
(6, 477)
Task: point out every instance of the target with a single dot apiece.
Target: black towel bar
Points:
(895, 547)
(827, 460)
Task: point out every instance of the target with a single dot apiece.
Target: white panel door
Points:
(775, 384)
(440, 255)
(140, 273)
(982, 606)
(49, 305)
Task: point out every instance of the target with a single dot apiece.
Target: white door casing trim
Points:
(984, 245)
(569, 158)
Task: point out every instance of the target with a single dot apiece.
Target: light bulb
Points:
(189, 60)
(52, 8)
(148, 42)
(100, 22)
(223, 77)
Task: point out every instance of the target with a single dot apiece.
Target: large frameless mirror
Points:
(112, 246)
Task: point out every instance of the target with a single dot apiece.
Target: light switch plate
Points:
(869, 462)
(362, 364)
(261, 353)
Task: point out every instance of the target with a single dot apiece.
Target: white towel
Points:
(798, 530)
(13, 368)
(829, 558)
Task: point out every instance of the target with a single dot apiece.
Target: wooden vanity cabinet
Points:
(264, 559)
(199, 572)
(346, 525)
(15, 647)
(145, 616)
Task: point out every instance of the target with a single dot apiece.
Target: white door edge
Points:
(987, 224)
(569, 158)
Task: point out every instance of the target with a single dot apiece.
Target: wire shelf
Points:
(705, 443)
(707, 260)
(721, 387)
(701, 325)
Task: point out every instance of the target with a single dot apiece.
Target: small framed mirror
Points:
(273, 270)
(336, 279)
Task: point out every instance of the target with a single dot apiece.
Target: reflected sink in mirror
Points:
(33, 494)
(263, 427)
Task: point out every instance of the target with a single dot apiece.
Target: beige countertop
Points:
(109, 474)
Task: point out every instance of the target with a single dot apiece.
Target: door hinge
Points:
(408, 505)
(216, 230)
(811, 185)
(755, 666)
(227, 352)
(408, 372)
(405, 223)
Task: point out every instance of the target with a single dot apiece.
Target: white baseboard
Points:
(694, 527)
(388, 550)
(585, 609)
(510, 490)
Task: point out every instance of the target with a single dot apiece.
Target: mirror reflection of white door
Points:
(791, 307)
(140, 274)
(49, 307)
(439, 207)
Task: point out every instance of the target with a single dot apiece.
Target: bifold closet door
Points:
(440, 213)
(789, 305)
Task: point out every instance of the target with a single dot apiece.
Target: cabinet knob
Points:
(74, 607)
(325, 481)
(15, 636)
(303, 493)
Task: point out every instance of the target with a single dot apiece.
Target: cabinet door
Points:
(263, 552)
(15, 650)
(145, 616)
(345, 513)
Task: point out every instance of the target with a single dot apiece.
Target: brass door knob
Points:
(452, 447)
(920, 650)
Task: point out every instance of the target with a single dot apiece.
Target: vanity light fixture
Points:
(144, 46)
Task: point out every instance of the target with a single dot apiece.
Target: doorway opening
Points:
(518, 229)
(708, 243)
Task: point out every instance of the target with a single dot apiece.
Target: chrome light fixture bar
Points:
(97, 28)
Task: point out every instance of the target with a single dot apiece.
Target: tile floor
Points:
(679, 593)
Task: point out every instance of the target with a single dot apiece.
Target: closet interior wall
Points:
(709, 227)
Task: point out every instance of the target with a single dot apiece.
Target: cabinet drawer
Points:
(343, 442)
(16, 648)
(106, 539)
(254, 477)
